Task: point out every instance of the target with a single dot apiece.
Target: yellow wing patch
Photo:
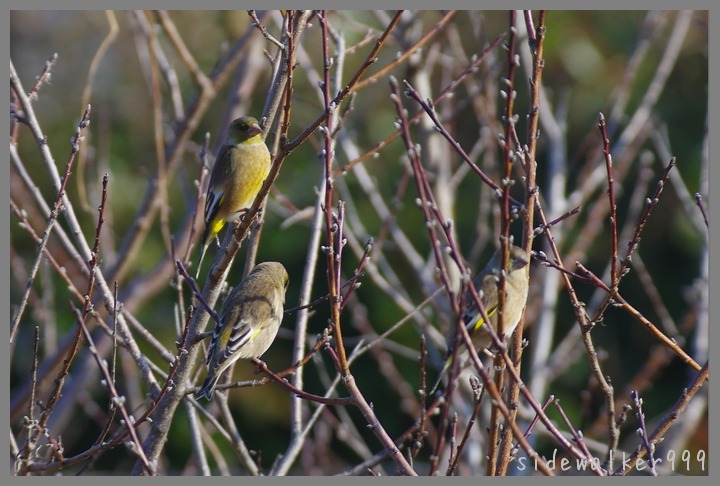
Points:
(215, 227)
(480, 321)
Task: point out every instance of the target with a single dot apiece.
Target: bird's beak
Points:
(521, 261)
(254, 129)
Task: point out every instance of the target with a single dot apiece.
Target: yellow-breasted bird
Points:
(486, 283)
(249, 321)
(240, 169)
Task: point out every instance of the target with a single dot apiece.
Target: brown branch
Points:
(333, 222)
(446, 92)
(122, 434)
(437, 28)
(58, 207)
(699, 201)
(635, 241)
(622, 303)
(263, 30)
(298, 392)
(611, 197)
(658, 434)
(585, 328)
(494, 444)
(349, 87)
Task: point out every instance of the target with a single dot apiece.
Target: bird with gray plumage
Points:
(249, 321)
(486, 284)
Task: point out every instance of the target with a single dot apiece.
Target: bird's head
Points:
(243, 129)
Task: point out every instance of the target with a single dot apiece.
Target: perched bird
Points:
(249, 321)
(486, 283)
(240, 169)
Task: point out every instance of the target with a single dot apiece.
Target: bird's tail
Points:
(203, 248)
(207, 388)
(446, 366)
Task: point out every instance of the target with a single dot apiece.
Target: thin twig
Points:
(622, 303)
(670, 418)
(58, 207)
(699, 201)
(643, 433)
(613, 206)
(263, 30)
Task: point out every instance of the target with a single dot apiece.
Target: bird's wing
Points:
(231, 338)
(219, 174)
(489, 298)
(212, 204)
